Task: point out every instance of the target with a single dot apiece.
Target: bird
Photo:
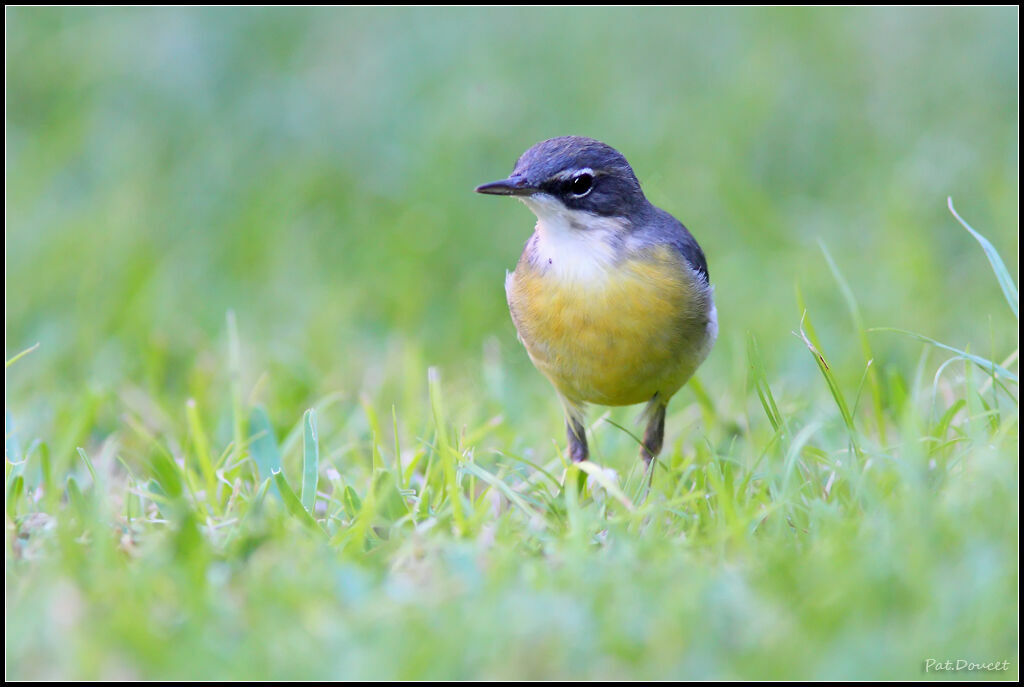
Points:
(611, 296)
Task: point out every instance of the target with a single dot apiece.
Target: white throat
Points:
(573, 245)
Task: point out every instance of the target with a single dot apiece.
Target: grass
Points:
(276, 424)
(788, 542)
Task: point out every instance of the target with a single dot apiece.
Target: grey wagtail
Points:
(611, 296)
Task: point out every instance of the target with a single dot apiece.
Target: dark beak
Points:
(513, 186)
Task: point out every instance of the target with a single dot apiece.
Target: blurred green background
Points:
(312, 171)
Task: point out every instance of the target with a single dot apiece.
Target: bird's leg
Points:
(577, 438)
(654, 435)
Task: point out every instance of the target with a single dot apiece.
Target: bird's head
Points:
(573, 175)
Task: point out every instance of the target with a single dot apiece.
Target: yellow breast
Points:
(642, 328)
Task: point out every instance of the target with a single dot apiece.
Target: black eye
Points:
(581, 184)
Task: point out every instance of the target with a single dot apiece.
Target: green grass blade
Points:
(375, 432)
(264, 445)
(19, 356)
(862, 335)
(447, 453)
(398, 448)
(310, 459)
(88, 464)
(983, 363)
(634, 437)
(351, 502)
(1010, 291)
(235, 375)
(759, 380)
(14, 492)
(291, 501)
(51, 493)
(833, 384)
(76, 499)
(570, 489)
(504, 488)
(167, 474)
(202, 449)
(539, 470)
(601, 477)
(294, 436)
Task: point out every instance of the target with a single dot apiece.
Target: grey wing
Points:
(671, 231)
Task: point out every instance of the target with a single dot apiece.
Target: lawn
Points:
(267, 416)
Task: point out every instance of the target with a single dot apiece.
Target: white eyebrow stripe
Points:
(571, 173)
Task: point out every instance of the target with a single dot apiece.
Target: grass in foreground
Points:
(820, 533)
